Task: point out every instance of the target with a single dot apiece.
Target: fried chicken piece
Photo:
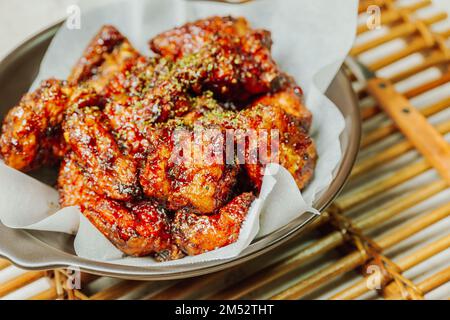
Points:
(31, 134)
(87, 132)
(197, 234)
(75, 189)
(201, 106)
(31, 130)
(137, 229)
(231, 59)
(293, 149)
(266, 134)
(290, 100)
(192, 36)
(181, 172)
(108, 53)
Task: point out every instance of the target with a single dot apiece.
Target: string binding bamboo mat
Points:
(387, 235)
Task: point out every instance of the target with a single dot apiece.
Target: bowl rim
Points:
(48, 257)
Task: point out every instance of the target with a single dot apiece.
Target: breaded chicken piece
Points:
(197, 234)
(233, 60)
(87, 132)
(31, 132)
(137, 228)
(181, 172)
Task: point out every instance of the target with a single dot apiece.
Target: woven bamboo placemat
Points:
(386, 236)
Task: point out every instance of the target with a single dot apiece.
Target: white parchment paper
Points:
(311, 40)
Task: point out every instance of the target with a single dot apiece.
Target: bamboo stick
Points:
(393, 237)
(374, 187)
(369, 112)
(394, 33)
(329, 242)
(435, 281)
(49, 294)
(428, 86)
(117, 290)
(376, 216)
(364, 4)
(399, 31)
(391, 153)
(317, 279)
(434, 58)
(4, 264)
(354, 260)
(392, 291)
(20, 281)
(416, 45)
(384, 131)
(390, 16)
(413, 125)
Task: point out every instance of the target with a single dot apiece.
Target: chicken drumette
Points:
(265, 133)
(188, 169)
(196, 234)
(31, 132)
(138, 228)
(232, 60)
(88, 133)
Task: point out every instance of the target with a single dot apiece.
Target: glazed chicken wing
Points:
(200, 180)
(233, 59)
(87, 132)
(31, 132)
(138, 229)
(290, 100)
(197, 234)
(266, 134)
(294, 149)
(108, 53)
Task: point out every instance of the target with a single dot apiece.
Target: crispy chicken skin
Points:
(75, 189)
(295, 151)
(108, 53)
(261, 129)
(31, 132)
(236, 59)
(290, 100)
(87, 132)
(191, 37)
(197, 234)
(196, 181)
(137, 228)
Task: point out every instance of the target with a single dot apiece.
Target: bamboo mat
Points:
(387, 235)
